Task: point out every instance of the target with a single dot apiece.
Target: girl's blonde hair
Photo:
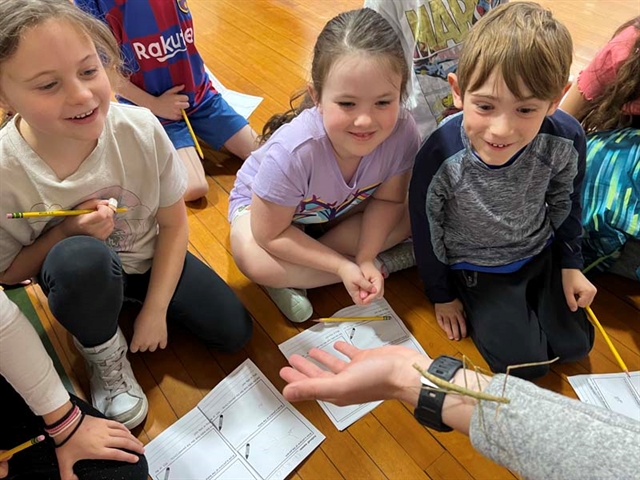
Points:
(357, 31)
(18, 16)
(525, 44)
(606, 111)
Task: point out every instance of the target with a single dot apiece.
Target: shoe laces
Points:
(111, 372)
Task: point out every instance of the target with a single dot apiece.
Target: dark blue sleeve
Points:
(569, 234)
(433, 273)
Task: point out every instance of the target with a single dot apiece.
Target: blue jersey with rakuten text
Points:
(157, 42)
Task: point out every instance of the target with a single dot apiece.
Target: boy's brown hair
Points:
(526, 45)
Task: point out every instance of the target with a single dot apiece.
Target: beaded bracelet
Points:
(72, 432)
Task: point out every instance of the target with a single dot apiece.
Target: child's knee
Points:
(82, 258)
(196, 190)
(232, 338)
(579, 345)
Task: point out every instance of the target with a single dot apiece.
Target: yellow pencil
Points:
(193, 135)
(57, 213)
(19, 448)
(352, 319)
(596, 323)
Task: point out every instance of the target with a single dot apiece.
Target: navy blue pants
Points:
(86, 287)
(523, 317)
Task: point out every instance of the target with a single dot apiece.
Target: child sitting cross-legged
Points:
(495, 198)
(324, 199)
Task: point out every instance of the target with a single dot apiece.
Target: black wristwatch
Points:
(429, 409)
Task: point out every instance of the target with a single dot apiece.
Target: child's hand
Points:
(374, 276)
(357, 285)
(97, 439)
(451, 318)
(149, 330)
(578, 291)
(98, 224)
(4, 466)
(170, 104)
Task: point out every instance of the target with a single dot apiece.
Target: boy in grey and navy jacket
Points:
(495, 198)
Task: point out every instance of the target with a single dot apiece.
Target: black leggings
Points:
(523, 317)
(39, 462)
(86, 286)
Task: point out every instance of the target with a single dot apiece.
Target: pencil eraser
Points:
(40, 438)
(9, 215)
(113, 204)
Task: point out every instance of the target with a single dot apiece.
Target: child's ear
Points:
(556, 102)
(314, 95)
(452, 78)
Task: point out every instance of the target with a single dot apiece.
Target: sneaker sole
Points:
(139, 418)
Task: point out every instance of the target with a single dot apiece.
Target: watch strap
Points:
(429, 409)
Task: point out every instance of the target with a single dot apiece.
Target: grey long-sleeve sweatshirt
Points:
(544, 435)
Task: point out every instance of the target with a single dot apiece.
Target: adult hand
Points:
(370, 375)
(170, 104)
(578, 291)
(97, 439)
(451, 318)
(149, 330)
(98, 224)
(357, 285)
(374, 276)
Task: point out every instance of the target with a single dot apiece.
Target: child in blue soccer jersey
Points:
(495, 198)
(167, 75)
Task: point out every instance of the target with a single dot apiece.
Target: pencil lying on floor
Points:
(19, 448)
(57, 213)
(592, 317)
(352, 319)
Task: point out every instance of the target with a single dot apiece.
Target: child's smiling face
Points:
(360, 104)
(57, 84)
(498, 123)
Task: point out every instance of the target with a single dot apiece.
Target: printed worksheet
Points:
(364, 334)
(242, 103)
(613, 391)
(242, 429)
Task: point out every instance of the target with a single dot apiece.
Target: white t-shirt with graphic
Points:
(134, 162)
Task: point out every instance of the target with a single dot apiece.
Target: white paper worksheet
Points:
(613, 391)
(242, 103)
(365, 334)
(242, 429)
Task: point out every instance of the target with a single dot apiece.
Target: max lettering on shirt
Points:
(166, 47)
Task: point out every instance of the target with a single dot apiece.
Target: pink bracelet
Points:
(75, 413)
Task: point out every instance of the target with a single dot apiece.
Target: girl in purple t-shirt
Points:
(344, 163)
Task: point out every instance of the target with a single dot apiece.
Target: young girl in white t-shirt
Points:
(68, 147)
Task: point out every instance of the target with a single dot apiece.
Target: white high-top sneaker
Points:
(114, 389)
